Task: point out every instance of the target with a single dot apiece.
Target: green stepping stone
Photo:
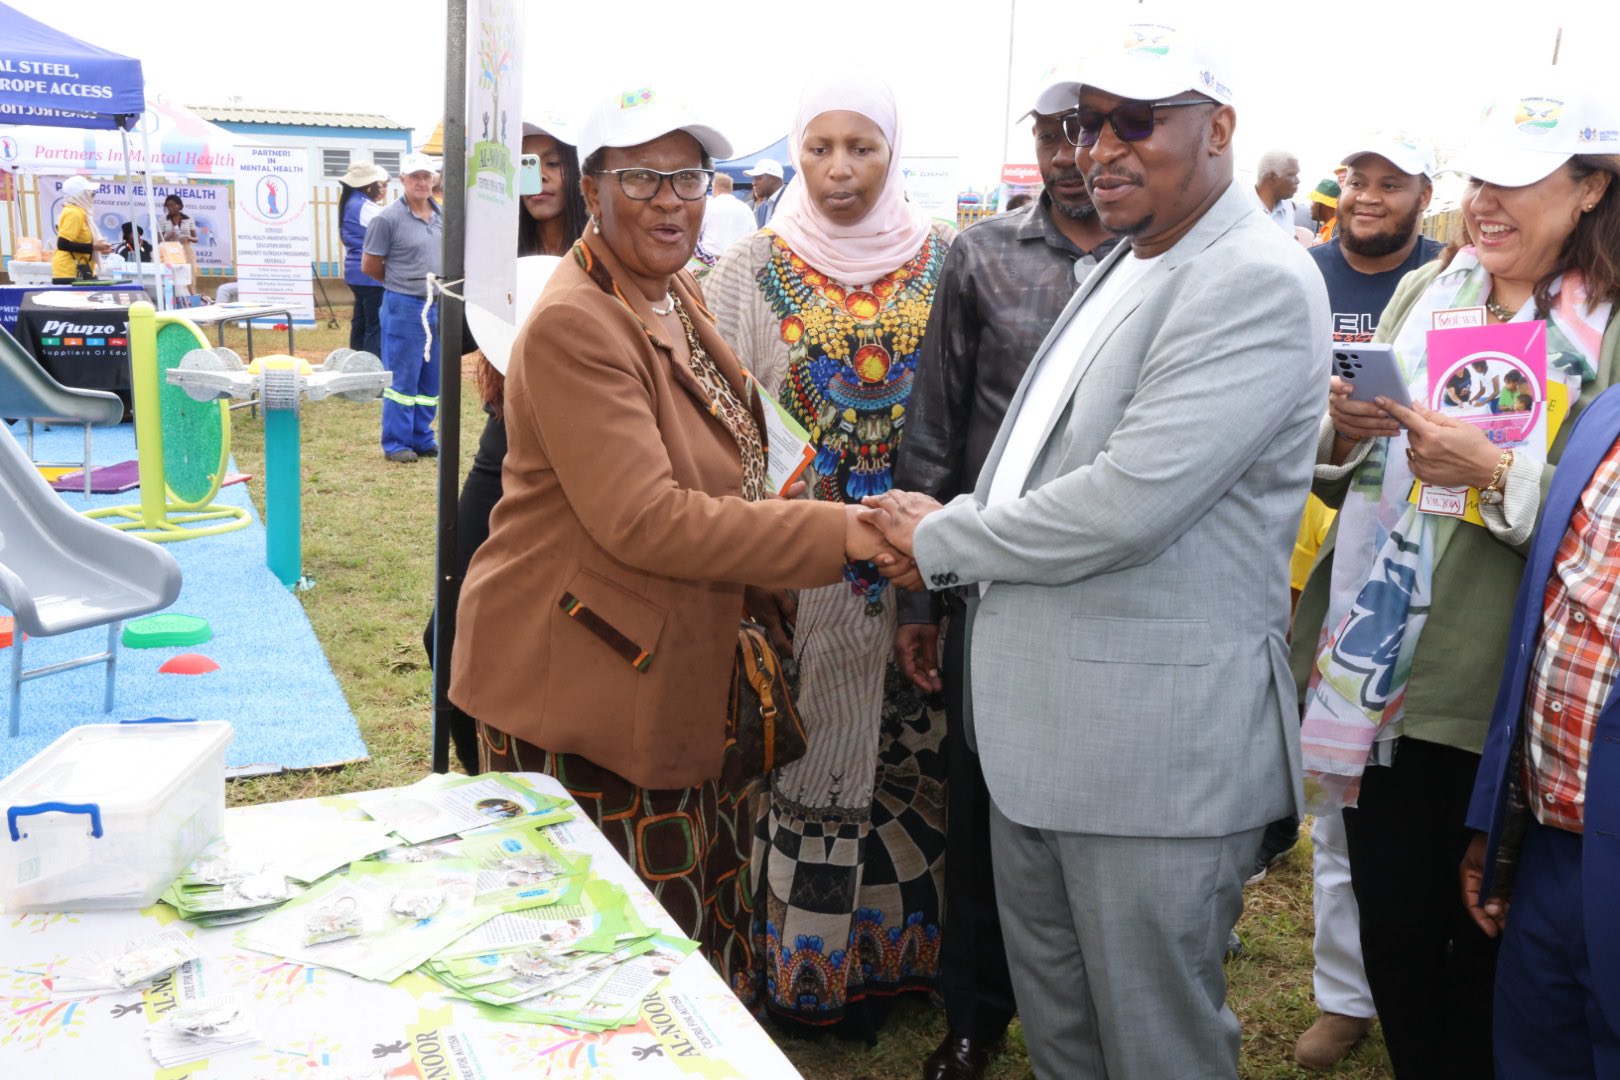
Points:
(165, 631)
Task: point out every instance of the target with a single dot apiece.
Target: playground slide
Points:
(27, 391)
(60, 571)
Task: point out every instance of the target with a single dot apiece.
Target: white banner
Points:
(932, 186)
(494, 141)
(207, 202)
(273, 221)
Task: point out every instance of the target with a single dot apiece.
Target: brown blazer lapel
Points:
(601, 267)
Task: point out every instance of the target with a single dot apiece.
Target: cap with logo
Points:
(1402, 149)
(1550, 116)
(1143, 61)
(634, 117)
(415, 163)
(766, 167)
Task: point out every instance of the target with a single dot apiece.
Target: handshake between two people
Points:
(883, 529)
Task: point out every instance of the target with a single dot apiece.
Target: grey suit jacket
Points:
(1128, 670)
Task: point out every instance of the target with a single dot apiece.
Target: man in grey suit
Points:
(1130, 534)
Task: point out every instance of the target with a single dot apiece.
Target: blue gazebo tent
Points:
(737, 167)
(53, 79)
(50, 78)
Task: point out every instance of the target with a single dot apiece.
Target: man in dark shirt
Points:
(1005, 282)
(1381, 204)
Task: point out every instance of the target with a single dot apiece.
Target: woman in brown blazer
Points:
(598, 623)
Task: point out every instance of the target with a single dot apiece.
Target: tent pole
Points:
(134, 222)
(448, 563)
(151, 215)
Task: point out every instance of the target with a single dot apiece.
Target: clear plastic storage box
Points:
(109, 814)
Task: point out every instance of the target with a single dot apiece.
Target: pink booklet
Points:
(1495, 378)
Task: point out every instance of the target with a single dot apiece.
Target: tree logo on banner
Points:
(270, 196)
(497, 55)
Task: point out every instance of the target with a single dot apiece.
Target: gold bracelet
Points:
(1499, 474)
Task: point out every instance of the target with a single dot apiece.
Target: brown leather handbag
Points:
(763, 729)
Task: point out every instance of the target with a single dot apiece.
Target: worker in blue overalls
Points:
(402, 248)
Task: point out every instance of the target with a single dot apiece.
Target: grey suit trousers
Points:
(1115, 945)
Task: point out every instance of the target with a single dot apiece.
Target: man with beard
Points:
(1004, 283)
(1386, 188)
(1129, 538)
(1381, 204)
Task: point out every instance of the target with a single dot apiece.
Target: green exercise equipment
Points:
(183, 445)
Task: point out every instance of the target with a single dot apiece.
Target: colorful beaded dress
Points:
(850, 853)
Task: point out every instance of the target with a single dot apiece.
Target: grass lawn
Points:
(369, 529)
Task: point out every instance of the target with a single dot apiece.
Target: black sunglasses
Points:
(1132, 121)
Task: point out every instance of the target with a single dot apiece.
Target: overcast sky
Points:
(1310, 78)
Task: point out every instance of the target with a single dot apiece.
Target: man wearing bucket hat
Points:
(402, 247)
(1005, 282)
(1138, 510)
(767, 176)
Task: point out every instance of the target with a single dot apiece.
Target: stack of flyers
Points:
(379, 921)
(522, 867)
(584, 991)
(129, 965)
(199, 1029)
(601, 921)
(577, 964)
(439, 807)
(259, 862)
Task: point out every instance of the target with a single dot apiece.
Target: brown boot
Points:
(1326, 1042)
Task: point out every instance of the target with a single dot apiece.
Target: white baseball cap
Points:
(1402, 149)
(1057, 91)
(639, 116)
(78, 185)
(415, 163)
(1144, 60)
(550, 123)
(766, 167)
(1550, 116)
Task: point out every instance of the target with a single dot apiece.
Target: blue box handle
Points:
(93, 809)
(161, 720)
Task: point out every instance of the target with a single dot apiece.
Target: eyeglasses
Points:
(1132, 121)
(689, 185)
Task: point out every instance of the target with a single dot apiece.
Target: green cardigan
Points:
(1458, 662)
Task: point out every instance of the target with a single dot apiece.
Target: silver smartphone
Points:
(1372, 372)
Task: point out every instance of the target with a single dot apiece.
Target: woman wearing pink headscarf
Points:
(827, 308)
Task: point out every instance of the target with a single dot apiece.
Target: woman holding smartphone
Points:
(1401, 631)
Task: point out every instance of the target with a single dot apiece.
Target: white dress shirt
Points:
(726, 220)
(1045, 397)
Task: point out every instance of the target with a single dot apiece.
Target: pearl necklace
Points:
(669, 305)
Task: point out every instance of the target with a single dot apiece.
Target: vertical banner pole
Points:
(448, 574)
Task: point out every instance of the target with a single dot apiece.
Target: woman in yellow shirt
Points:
(76, 242)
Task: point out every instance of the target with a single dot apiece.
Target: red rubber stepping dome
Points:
(189, 664)
(8, 626)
